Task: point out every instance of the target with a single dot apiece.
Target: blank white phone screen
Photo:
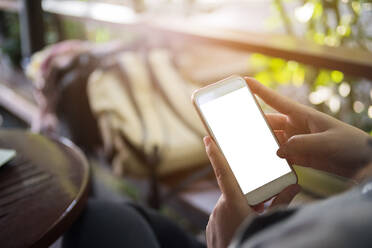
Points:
(245, 139)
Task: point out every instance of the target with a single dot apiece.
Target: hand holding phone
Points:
(314, 139)
(234, 119)
(232, 207)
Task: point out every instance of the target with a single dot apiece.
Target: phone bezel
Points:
(223, 87)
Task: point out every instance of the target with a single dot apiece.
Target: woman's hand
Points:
(311, 138)
(232, 207)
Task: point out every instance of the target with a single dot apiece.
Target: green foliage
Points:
(11, 42)
(323, 78)
(73, 29)
(329, 23)
(100, 35)
(337, 76)
(51, 29)
(275, 71)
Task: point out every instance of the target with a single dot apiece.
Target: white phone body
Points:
(234, 119)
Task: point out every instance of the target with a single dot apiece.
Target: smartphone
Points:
(235, 120)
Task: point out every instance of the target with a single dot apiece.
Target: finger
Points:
(286, 196)
(303, 145)
(280, 136)
(275, 100)
(306, 161)
(225, 178)
(259, 208)
(277, 121)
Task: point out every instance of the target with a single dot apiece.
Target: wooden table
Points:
(42, 191)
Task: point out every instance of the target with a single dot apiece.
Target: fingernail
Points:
(281, 153)
(206, 140)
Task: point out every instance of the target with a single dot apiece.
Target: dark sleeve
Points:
(265, 221)
(341, 221)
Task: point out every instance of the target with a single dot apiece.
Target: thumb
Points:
(302, 145)
(225, 178)
(286, 196)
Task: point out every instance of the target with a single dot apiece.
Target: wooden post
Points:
(31, 27)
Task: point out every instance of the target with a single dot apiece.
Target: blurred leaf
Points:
(73, 29)
(292, 65)
(298, 77)
(264, 78)
(319, 38)
(11, 42)
(337, 76)
(356, 6)
(282, 77)
(277, 63)
(258, 61)
(323, 78)
(101, 35)
(318, 10)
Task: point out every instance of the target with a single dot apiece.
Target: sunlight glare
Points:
(334, 104)
(358, 107)
(305, 12)
(370, 111)
(344, 89)
(321, 95)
